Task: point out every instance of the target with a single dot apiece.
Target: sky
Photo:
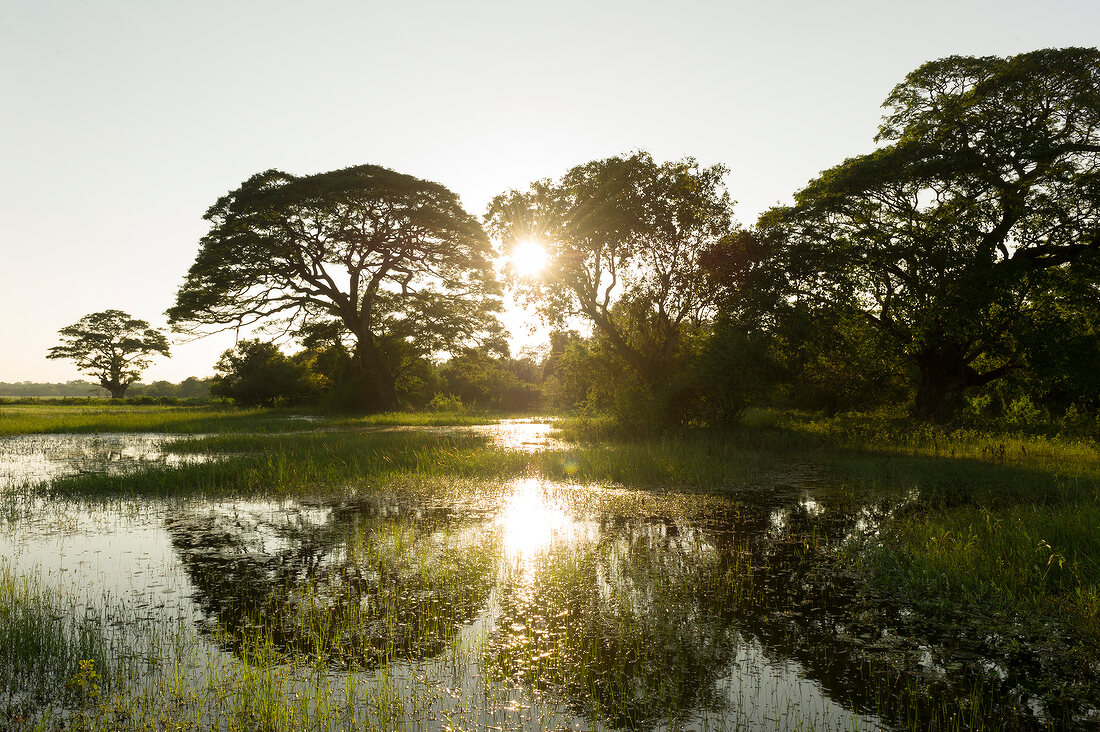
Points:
(122, 121)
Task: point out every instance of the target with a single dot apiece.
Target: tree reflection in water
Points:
(633, 609)
(350, 585)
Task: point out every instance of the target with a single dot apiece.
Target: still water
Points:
(518, 604)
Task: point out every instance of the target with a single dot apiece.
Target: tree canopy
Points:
(257, 373)
(392, 259)
(988, 183)
(624, 237)
(111, 346)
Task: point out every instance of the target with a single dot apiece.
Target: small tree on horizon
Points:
(111, 346)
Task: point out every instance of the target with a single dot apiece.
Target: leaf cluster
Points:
(987, 183)
(625, 236)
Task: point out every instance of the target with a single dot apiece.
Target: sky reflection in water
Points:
(569, 596)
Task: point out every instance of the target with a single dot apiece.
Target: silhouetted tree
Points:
(624, 237)
(111, 346)
(391, 257)
(946, 237)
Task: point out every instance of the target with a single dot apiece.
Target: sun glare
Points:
(532, 520)
(528, 258)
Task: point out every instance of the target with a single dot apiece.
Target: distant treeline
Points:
(190, 388)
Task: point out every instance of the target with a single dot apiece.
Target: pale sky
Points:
(121, 122)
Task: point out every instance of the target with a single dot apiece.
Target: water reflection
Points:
(640, 611)
(352, 585)
(532, 520)
(521, 435)
(38, 458)
(631, 609)
(627, 608)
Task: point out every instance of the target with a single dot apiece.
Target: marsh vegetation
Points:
(344, 573)
(835, 471)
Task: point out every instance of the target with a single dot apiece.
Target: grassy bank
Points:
(210, 419)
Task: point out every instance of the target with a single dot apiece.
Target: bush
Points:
(446, 403)
(256, 373)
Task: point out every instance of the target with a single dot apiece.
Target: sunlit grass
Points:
(1020, 564)
(902, 435)
(1007, 541)
(48, 418)
(27, 419)
(420, 419)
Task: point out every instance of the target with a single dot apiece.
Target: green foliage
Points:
(985, 191)
(112, 346)
(446, 403)
(625, 237)
(477, 378)
(1060, 341)
(735, 368)
(833, 359)
(255, 373)
(393, 260)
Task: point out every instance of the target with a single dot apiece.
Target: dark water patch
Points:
(352, 584)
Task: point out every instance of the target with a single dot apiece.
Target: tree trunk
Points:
(118, 390)
(944, 377)
(379, 393)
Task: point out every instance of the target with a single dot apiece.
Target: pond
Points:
(519, 603)
(36, 458)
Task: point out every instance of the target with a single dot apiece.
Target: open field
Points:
(16, 419)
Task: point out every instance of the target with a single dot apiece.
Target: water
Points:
(39, 458)
(517, 604)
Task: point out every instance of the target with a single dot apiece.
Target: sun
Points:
(528, 258)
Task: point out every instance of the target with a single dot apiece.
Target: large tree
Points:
(390, 258)
(112, 346)
(987, 185)
(624, 237)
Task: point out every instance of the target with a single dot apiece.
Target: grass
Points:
(308, 464)
(981, 538)
(52, 652)
(49, 418)
(421, 419)
(902, 435)
(24, 419)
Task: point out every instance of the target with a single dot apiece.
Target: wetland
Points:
(277, 570)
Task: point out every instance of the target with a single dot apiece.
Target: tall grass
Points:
(1026, 563)
(53, 652)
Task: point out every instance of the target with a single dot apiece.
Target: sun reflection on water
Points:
(532, 520)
